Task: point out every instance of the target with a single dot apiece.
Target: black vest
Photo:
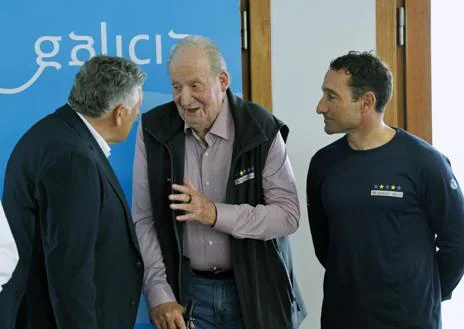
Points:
(269, 294)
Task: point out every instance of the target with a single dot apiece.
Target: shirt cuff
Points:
(227, 217)
(159, 294)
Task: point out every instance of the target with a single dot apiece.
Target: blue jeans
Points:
(218, 305)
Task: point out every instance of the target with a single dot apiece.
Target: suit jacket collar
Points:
(67, 114)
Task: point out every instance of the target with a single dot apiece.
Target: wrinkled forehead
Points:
(189, 68)
(189, 56)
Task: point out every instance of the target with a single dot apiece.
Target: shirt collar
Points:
(223, 124)
(100, 140)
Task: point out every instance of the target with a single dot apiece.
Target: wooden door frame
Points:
(411, 105)
(256, 59)
(418, 68)
(393, 55)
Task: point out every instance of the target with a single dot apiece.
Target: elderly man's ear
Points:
(224, 80)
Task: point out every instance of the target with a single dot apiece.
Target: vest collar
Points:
(247, 130)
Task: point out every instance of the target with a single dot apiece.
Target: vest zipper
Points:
(176, 233)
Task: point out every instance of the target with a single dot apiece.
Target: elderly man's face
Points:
(197, 92)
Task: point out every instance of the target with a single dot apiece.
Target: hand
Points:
(168, 316)
(194, 203)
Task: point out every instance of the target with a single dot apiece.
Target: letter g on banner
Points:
(41, 55)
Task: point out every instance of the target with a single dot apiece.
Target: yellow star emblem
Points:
(381, 186)
(393, 187)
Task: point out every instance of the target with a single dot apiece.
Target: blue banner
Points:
(45, 42)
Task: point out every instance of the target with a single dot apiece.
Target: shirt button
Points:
(210, 243)
(133, 304)
(207, 183)
(206, 153)
(214, 268)
(138, 264)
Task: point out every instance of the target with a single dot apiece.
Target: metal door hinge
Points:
(400, 27)
(244, 30)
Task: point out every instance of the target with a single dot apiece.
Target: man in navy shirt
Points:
(385, 210)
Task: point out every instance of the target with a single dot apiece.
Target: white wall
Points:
(306, 35)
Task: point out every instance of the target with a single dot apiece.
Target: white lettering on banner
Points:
(89, 47)
(104, 38)
(132, 54)
(174, 35)
(86, 46)
(41, 55)
(119, 45)
(159, 54)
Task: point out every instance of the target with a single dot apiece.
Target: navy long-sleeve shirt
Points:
(388, 226)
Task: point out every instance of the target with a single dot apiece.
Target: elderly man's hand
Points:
(194, 203)
(168, 316)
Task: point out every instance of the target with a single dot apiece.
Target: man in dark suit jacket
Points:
(80, 265)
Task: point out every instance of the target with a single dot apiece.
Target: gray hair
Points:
(104, 82)
(216, 60)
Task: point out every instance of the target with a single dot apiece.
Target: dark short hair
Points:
(104, 82)
(367, 73)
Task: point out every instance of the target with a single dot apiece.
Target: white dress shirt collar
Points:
(101, 142)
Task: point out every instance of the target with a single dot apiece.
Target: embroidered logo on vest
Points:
(244, 175)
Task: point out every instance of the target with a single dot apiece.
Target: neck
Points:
(101, 126)
(370, 137)
(202, 133)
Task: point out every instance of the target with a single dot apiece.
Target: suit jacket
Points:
(80, 265)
